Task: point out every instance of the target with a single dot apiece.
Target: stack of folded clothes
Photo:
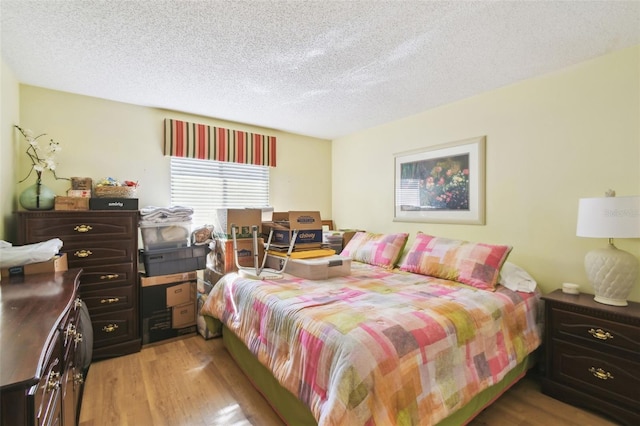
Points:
(166, 214)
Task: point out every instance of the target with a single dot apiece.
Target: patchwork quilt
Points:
(379, 347)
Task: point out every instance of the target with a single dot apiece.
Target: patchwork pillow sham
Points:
(470, 263)
(376, 249)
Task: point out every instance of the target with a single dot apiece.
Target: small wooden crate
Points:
(81, 183)
(71, 203)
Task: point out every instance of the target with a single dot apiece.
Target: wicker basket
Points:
(115, 191)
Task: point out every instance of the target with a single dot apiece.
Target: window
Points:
(206, 185)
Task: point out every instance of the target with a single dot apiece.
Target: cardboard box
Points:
(222, 257)
(168, 279)
(166, 235)
(318, 268)
(308, 224)
(57, 263)
(183, 315)
(171, 261)
(158, 327)
(168, 306)
(113, 203)
(71, 203)
(244, 219)
(84, 193)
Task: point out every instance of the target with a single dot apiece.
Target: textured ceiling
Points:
(318, 68)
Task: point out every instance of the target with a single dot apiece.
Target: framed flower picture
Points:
(442, 183)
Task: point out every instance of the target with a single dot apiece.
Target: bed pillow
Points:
(475, 264)
(376, 249)
(515, 278)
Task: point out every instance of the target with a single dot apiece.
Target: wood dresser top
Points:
(31, 307)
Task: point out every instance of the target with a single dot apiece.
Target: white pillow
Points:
(515, 278)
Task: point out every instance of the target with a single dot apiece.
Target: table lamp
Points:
(612, 272)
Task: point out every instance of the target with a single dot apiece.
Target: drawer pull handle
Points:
(600, 334)
(53, 381)
(83, 253)
(82, 228)
(78, 378)
(77, 303)
(109, 276)
(78, 338)
(599, 373)
(110, 328)
(70, 332)
(110, 300)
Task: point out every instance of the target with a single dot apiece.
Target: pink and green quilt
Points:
(379, 347)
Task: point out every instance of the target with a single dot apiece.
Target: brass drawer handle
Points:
(53, 381)
(109, 276)
(82, 228)
(110, 328)
(77, 303)
(70, 332)
(77, 339)
(600, 334)
(78, 378)
(83, 253)
(599, 373)
(110, 300)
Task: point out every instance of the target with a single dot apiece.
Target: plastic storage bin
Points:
(173, 261)
(165, 235)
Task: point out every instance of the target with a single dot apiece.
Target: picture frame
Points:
(442, 183)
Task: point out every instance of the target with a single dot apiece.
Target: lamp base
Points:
(612, 273)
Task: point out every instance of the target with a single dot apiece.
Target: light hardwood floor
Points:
(191, 382)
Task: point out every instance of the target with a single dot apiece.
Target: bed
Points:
(396, 342)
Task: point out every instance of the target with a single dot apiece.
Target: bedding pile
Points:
(380, 346)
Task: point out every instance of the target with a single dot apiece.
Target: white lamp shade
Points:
(609, 217)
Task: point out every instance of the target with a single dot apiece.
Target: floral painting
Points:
(441, 184)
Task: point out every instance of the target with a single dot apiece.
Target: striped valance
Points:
(182, 139)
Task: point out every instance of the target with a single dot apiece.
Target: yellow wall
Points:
(9, 101)
(550, 141)
(103, 138)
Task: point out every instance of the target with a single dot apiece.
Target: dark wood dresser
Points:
(105, 245)
(593, 355)
(41, 379)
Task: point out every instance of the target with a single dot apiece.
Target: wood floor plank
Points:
(194, 382)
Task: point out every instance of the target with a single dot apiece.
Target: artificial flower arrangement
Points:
(42, 158)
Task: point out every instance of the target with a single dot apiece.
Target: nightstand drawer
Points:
(606, 376)
(595, 332)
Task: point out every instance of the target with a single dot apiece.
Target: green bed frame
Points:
(295, 413)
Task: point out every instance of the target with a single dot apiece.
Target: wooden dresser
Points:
(105, 245)
(41, 379)
(593, 355)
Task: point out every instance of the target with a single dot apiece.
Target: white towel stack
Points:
(165, 214)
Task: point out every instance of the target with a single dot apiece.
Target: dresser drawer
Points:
(114, 327)
(111, 276)
(598, 374)
(72, 226)
(109, 299)
(47, 393)
(85, 254)
(595, 332)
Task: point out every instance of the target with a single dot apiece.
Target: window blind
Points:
(206, 185)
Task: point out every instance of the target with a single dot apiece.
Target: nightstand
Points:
(593, 355)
